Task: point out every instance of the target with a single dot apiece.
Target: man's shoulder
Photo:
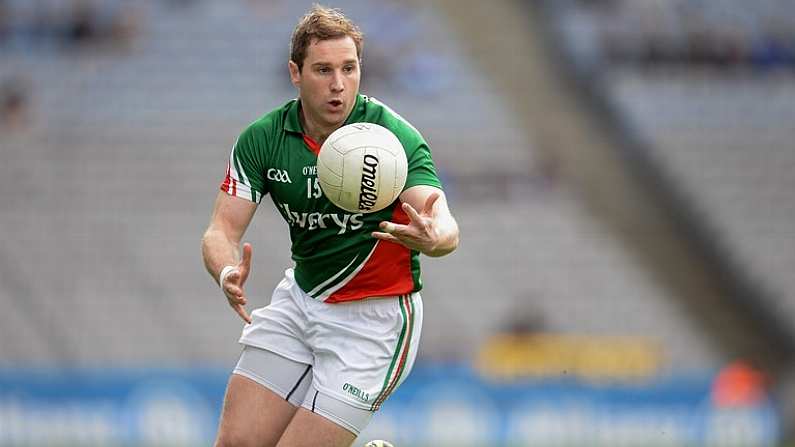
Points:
(376, 111)
(269, 123)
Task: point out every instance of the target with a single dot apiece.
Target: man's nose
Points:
(336, 83)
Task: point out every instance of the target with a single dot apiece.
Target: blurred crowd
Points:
(35, 31)
(66, 25)
(724, 35)
(14, 103)
(38, 28)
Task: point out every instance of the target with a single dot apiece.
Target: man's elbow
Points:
(206, 235)
(210, 235)
(205, 241)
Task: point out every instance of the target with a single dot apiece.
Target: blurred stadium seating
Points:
(112, 160)
(706, 91)
(728, 144)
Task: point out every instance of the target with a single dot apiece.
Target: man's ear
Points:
(295, 74)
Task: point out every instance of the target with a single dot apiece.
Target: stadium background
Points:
(622, 172)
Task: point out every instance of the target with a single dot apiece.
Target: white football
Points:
(378, 443)
(362, 167)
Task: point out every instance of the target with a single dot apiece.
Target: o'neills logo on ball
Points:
(368, 194)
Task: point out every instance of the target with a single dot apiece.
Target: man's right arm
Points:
(221, 242)
(220, 246)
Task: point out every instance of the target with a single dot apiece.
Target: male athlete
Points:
(341, 331)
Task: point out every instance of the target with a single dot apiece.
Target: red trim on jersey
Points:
(386, 273)
(312, 144)
(229, 181)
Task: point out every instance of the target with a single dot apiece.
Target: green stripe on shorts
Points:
(395, 356)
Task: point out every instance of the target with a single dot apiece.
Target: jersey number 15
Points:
(313, 188)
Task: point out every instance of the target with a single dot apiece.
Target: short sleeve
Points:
(245, 167)
(421, 169)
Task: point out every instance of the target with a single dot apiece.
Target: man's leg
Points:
(309, 429)
(262, 397)
(324, 420)
(383, 333)
(252, 415)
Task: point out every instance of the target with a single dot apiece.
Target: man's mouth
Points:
(335, 102)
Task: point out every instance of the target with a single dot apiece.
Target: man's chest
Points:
(291, 177)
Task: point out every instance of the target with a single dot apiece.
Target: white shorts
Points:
(359, 351)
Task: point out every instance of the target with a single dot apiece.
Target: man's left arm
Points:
(431, 230)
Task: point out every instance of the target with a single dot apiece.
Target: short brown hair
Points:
(322, 23)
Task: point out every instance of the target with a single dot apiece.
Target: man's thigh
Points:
(262, 396)
(252, 415)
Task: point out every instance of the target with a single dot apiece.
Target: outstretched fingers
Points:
(385, 237)
(235, 293)
(414, 216)
(427, 209)
(429, 203)
(240, 310)
(237, 299)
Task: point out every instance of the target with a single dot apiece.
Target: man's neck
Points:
(313, 130)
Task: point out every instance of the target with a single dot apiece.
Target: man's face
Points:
(328, 82)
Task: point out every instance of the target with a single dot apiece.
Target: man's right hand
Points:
(233, 284)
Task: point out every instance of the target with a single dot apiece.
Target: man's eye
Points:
(323, 70)
(348, 68)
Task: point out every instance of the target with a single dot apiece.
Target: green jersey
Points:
(336, 258)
